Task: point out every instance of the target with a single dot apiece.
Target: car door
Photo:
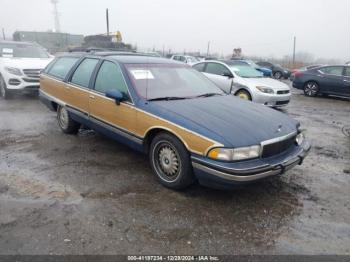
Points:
(346, 81)
(331, 79)
(78, 86)
(103, 110)
(220, 75)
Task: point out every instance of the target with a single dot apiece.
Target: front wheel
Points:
(170, 162)
(66, 123)
(311, 88)
(4, 93)
(244, 95)
(277, 75)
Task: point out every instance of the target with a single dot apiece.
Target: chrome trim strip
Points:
(238, 170)
(117, 131)
(237, 178)
(54, 99)
(277, 139)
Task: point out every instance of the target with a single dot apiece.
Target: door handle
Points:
(91, 97)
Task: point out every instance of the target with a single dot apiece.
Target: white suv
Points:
(20, 66)
(185, 59)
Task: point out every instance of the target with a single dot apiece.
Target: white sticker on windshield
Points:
(7, 51)
(142, 74)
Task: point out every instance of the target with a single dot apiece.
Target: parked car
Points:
(348, 63)
(301, 69)
(240, 79)
(278, 71)
(185, 59)
(190, 129)
(20, 65)
(327, 80)
(266, 72)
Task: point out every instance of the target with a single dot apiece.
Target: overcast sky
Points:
(259, 27)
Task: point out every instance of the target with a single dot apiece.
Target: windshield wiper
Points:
(167, 98)
(209, 94)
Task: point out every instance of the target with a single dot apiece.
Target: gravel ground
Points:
(85, 194)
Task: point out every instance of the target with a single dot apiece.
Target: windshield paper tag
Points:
(142, 74)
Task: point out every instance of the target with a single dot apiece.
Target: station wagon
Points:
(191, 130)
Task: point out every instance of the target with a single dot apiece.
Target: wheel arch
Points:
(154, 131)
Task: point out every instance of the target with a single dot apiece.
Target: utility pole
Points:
(107, 21)
(3, 34)
(295, 40)
(208, 49)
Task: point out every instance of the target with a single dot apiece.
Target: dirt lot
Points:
(85, 194)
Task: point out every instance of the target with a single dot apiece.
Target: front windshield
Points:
(246, 71)
(22, 51)
(153, 81)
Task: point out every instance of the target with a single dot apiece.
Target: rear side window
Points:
(110, 77)
(84, 71)
(199, 67)
(62, 66)
(333, 70)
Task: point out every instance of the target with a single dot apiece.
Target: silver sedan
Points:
(245, 82)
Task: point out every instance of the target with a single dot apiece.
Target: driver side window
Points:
(217, 69)
(110, 77)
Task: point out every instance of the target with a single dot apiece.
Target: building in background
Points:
(53, 42)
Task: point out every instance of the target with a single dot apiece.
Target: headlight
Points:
(265, 89)
(233, 154)
(300, 138)
(14, 71)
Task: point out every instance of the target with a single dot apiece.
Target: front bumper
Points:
(19, 83)
(225, 175)
(273, 100)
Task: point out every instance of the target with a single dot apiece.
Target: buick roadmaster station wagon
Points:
(189, 127)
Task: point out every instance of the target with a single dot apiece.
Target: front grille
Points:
(32, 73)
(282, 92)
(31, 80)
(278, 147)
(279, 103)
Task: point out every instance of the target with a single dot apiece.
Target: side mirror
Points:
(227, 74)
(116, 95)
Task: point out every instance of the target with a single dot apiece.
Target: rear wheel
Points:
(244, 95)
(4, 93)
(311, 88)
(170, 161)
(66, 123)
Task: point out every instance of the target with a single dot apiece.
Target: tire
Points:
(311, 88)
(4, 93)
(170, 162)
(66, 123)
(244, 94)
(277, 75)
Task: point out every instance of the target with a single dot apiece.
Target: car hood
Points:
(227, 119)
(26, 63)
(266, 82)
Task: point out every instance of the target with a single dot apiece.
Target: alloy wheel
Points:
(278, 75)
(311, 89)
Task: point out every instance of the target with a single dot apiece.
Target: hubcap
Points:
(311, 89)
(278, 75)
(167, 161)
(63, 118)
